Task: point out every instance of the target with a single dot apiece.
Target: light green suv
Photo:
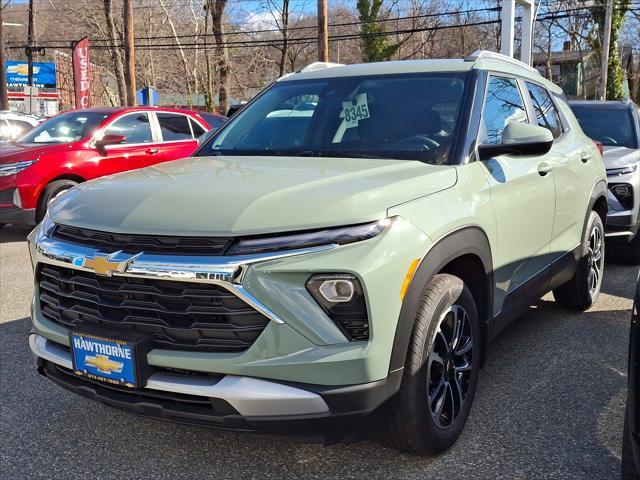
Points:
(336, 258)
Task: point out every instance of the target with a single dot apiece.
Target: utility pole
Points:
(323, 31)
(606, 40)
(129, 54)
(30, 44)
(4, 97)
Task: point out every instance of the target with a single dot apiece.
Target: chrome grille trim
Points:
(225, 271)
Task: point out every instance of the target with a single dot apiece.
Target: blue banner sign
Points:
(44, 73)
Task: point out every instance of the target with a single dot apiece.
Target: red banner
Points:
(81, 83)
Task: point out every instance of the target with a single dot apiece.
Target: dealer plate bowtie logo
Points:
(106, 264)
(103, 364)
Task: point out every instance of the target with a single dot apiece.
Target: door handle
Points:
(152, 151)
(585, 157)
(544, 168)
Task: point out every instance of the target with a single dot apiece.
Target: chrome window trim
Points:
(225, 271)
(188, 117)
(112, 120)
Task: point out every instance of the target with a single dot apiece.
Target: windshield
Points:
(612, 127)
(64, 128)
(412, 117)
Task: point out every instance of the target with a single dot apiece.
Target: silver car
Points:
(617, 126)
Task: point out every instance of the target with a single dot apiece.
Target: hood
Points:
(247, 195)
(617, 157)
(17, 152)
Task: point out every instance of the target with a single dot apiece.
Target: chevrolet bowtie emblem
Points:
(103, 364)
(105, 264)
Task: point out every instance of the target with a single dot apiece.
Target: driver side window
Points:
(503, 104)
(136, 127)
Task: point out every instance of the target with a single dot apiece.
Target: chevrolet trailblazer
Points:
(341, 251)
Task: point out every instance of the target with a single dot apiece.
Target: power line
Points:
(67, 9)
(267, 42)
(312, 27)
(308, 27)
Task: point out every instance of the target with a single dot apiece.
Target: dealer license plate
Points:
(105, 359)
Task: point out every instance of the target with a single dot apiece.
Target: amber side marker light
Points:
(408, 277)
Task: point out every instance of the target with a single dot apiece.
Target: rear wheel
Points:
(429, 412)
(49, 193)
(582, 291)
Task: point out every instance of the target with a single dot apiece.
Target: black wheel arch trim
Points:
(466, 240)
(599, 191)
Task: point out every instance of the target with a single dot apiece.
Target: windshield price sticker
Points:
(354, 111)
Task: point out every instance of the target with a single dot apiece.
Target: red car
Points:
(81, 145)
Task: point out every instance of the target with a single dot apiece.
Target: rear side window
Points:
(135, 127)
(504, 104)
(198, 131)
(174, 127)
(214, 120)
(546, 113)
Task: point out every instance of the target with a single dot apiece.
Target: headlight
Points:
(47, 225)
(337, 236)
(614, 172)
(13, 168)
(340, 296)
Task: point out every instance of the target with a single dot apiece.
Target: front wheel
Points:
(582, 291)
(429, 412)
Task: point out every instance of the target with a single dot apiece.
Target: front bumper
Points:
(12, 213)
(16, 215)
(623, 221)
(326, 375)
(227, 402)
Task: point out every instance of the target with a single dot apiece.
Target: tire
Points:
(582, 291)
(628, 468)
(415, 423)
(49, 193)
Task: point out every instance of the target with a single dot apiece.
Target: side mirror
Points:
(109, 140)
(519, 139)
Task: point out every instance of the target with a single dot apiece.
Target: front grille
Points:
(177, 315)
(170, 245)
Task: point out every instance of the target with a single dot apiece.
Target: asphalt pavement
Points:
(550, 404)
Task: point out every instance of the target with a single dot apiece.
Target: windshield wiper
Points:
(310, 153)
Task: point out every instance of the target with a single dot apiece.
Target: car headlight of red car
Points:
(13, 168)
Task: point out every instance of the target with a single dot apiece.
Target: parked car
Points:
(81, 145)
(617, 126)
(14, 125)
(631, 435)
(235, 108)
(312, 270)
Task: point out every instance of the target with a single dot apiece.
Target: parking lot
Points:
(549, 405)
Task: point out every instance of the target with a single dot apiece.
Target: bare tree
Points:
(217, 10)
(116, 55)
